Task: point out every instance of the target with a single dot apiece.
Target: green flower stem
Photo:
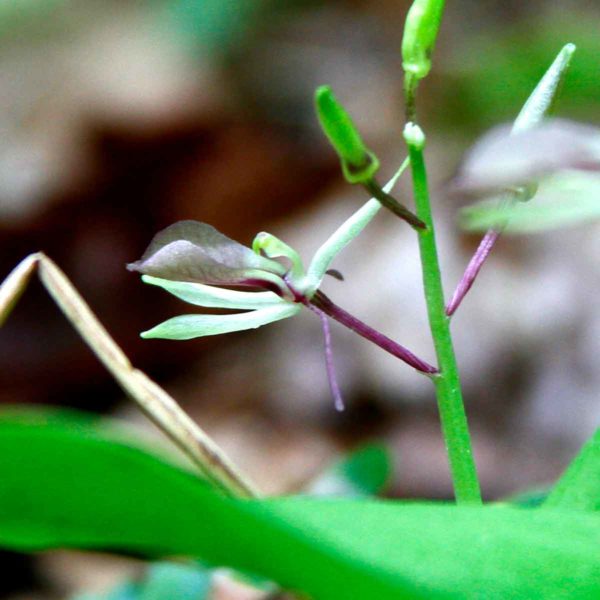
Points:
(410, 93)
(393, 205)
(447, 383)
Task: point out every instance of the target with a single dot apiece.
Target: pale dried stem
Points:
(152, 399)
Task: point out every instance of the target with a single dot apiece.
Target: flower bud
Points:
(359, 164)
(420, 33)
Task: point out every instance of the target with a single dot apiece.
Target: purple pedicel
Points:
(472, 270)
(322, 302)
(338, 401)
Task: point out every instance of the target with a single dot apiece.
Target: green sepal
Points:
(540, 103)
(187, 327)
(359, 164)
(420, 33)
(211, 296)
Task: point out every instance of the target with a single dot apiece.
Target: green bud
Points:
(420, 33)
(359, 164)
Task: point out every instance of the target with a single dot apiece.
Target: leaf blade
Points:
(579, 487)
(65, 487)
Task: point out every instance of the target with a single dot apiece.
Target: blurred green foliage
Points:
(489, 75)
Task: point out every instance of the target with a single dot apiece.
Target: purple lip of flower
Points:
(197, 252)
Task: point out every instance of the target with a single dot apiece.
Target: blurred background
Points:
(118, 118)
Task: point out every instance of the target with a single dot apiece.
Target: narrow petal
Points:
(214, 297)
(186, 327)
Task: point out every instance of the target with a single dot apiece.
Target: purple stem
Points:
(472, 270)
(333, 384)
(322, 302)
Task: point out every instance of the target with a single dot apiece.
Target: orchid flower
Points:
(198, 264)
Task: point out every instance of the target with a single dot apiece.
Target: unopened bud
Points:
(359, 164)
(420, 33)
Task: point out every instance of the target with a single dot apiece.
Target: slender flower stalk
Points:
(447, 384)
(393, 205)
(322, 302)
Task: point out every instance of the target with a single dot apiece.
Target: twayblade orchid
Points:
(194, 262)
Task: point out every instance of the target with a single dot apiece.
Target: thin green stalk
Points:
(392, 204)
(410, 100)
(447, 384)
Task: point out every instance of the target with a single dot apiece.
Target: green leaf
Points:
(74, 487)
(565, 199)
(186, 327)
(364, 472)
(214, 297)
(579, 487)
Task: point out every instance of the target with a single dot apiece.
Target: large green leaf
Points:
(579, 487)
(64, 486)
